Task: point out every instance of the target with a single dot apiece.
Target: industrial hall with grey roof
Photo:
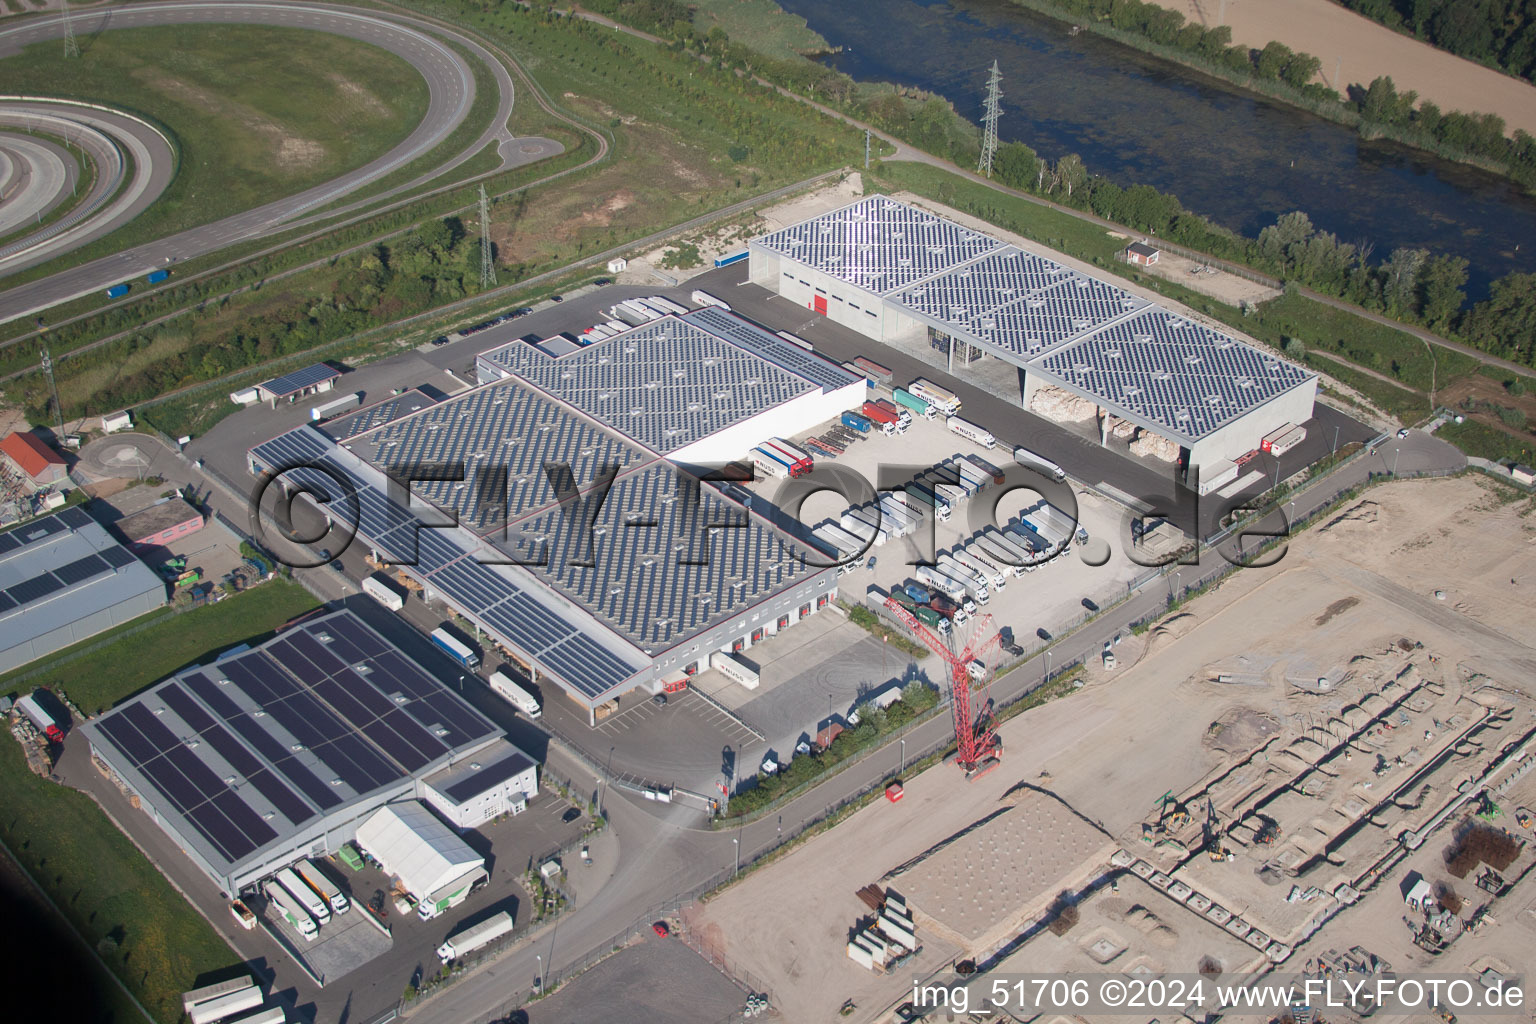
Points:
(897, 273)
(265, 755)
(573, 526)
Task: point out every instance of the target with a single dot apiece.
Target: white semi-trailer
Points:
(981, 567)
(329, 891)
(508, 690)
(475, 937)
(735, 671)
(291, 910)
(307, 897)
(226, 1006)
(214, 991)
(1025, 457)
(384, 593)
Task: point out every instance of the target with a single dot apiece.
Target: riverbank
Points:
(1355, 49)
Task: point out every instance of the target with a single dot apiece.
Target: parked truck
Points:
(384, 592)
(854, 421)
(703, 298)
(474, 937)
(993, 549)
(310, 900)
(455, 648)
(40, 717)
(946, 401)
(218, 989)
(767, 465)
(919, 407)
(971, 432)
(508, 690)
(903, 415)
(291, 910)
(933, 620)
(925, 494)
(886, 421)
(981, 567)
(328, 890)
(1027, 458)
(226, 1005)
(975, 585)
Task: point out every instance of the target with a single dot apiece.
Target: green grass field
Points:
(761, 24)
(94, 873)
(98, 674)
(256, 112)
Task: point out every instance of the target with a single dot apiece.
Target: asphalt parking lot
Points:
(655, 979)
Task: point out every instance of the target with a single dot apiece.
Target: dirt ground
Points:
(1481, 389)
(1111, 750)
(1354, 49)
(1207, 280)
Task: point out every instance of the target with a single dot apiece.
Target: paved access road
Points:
(451, 85)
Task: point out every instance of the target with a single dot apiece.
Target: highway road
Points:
(449, 78)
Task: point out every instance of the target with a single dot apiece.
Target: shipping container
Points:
(455, 648)
(945, 400)
(1275, 435)
(505, 687)
(1287, 441)
(903, 415)
(475, 937)
(328, 890)
(156, 276)
(735, 257)
(872, 369)
(325, 410)
(307, 897)
(117, 291)
(1216, 475)
(876, 414)
(918, 593)
(797, 461)
(703, 298)
(854, 421)
(932, 619)
(1027, 458)
(226, 1006)
(214, 991)
(986, 467)
(971, 432)
(291, 910)
(906, 398)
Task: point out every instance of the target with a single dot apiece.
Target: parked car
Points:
(440, 340)
(603, 281)
(557, 298)
(660, 700)
(570, 815)
(661, 929)
(1403, 432)
(521, 311)
(769, 766)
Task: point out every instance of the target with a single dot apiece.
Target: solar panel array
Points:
(105, 561)
(261, 743)
(298, 380)
(345, 428)
(1018, 303)
(664, 564)
(454, 563)
(770, 347)
(1089, 335)
(879, 244)
(504, 436)
(475, 783)
(1173, 371)
(665, 384)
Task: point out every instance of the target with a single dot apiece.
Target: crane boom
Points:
(979, 749)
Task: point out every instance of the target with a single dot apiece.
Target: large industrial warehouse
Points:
(897, 274)
(283, 751)
(582, 546)
(63, 578)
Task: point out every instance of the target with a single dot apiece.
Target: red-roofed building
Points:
(31, 456)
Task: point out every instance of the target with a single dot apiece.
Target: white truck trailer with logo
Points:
(307, 897)
(384, 593)
(981, 567)
(724, 663)
(508, 690)
(971, 432)
(1025, 457)
(475, 937)
(924, 494)
(974, 583)
(291, 910)
(945, 400)
(970, 473)
(329, 891)
(940, 581)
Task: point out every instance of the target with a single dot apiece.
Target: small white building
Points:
(423, 854)
(497, 780)
(113, 422)
(1521, 474)
(618, 265)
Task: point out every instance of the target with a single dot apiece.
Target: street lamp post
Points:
(903, 757)
(538, 975)
(1335, 439)
(736, 842)
(1047, 673)
(461, 684)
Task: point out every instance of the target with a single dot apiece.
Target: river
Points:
(1236, 158)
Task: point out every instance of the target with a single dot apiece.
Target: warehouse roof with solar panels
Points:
(1150, 365)
(248, 760)
(590, 601)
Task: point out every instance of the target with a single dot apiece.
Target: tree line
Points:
(1499, 33)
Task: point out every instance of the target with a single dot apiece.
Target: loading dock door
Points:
(819, 304)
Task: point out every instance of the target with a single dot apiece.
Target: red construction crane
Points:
(975, 731)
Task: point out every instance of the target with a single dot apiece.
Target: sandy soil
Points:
(1155, 724)
(1357, 50)
(1207, 280)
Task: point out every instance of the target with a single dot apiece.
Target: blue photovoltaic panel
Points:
(34, 589)
(481, 781)
(299, 379)
(8, 542)
(81, 569)
(75, 518)
(6, 602)
(118, 557)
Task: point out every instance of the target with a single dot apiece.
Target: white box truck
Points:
(507, 689)
(307, 897)
(384, 593)
(329, 891)
(475, 937)
(290, 910)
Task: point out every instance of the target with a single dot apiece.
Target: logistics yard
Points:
(1219, 709)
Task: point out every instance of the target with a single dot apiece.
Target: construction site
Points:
(1265, 776)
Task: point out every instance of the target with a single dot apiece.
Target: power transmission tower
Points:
(989, 121)
(71, 47)
(487, 264)
(58, 406)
